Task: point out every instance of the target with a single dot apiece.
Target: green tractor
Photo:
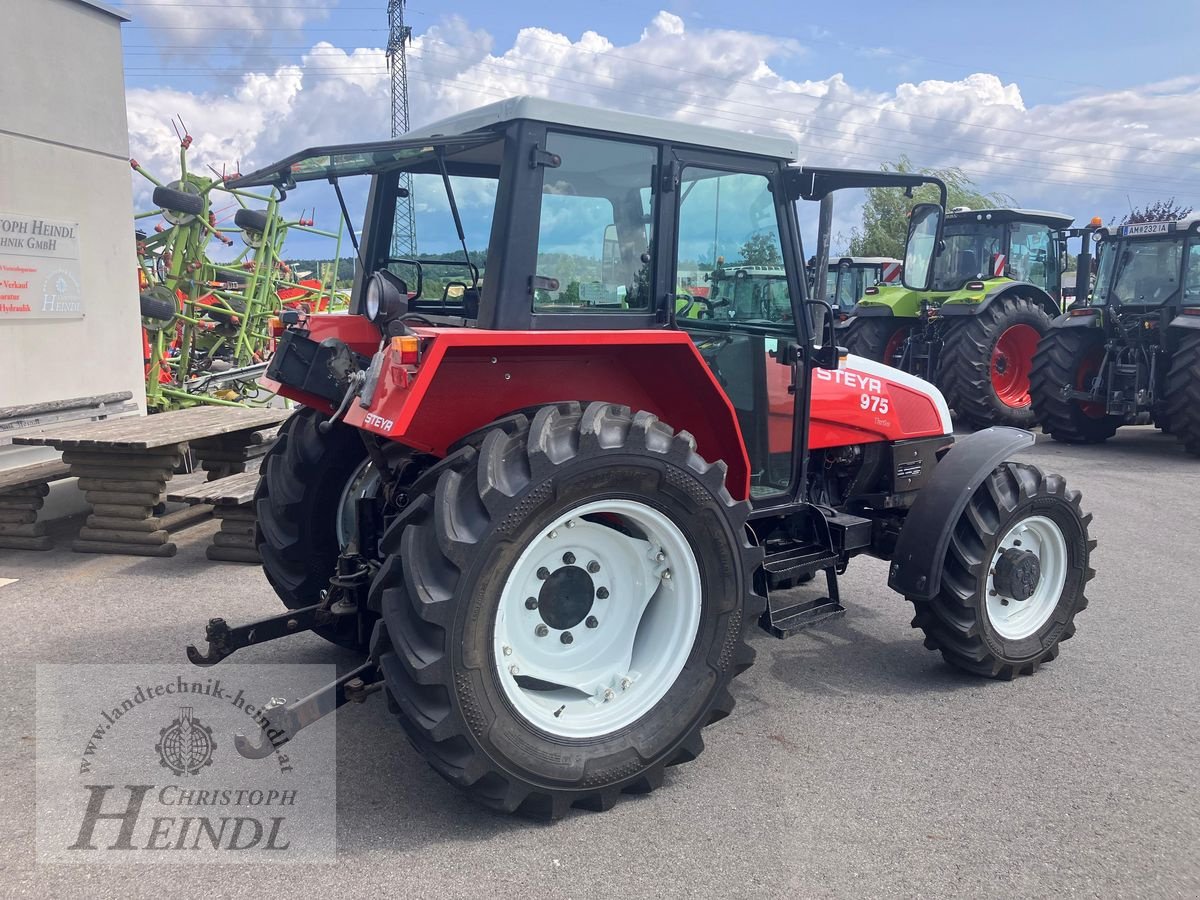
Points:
(995, 288)
(848, 279)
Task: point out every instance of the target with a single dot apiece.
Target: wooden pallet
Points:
(232, 500)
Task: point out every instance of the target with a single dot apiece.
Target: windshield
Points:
(1138, 273)
(969, 248)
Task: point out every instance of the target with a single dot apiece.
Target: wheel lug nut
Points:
(570, 523)
(602, 593)
(508, 651)
(566, 637)
(666, 575)
(592, 622)
(543, 573)
(660, 556)
(541, 631)
(593, 567)
(553, 535)
(531, 603)
(513, 670)
(568, 559)
(625, 683)
(608, 694)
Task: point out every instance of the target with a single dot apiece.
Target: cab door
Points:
(737, 293)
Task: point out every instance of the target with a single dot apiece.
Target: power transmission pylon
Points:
(404, 228)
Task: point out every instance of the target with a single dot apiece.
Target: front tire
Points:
(987, 359)
(1014, 575)
(1070, 357)
(880, 338)
(503, 577)
(1183, 394)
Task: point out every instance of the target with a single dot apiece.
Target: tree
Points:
(885, 214)
(762, 250)
(1159, 211)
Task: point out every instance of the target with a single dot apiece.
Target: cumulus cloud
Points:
(1083, 156)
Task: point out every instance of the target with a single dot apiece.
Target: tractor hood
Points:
(904, 303)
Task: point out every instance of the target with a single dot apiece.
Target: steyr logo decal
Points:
(379, 422)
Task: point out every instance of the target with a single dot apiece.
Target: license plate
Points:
(1146, 228)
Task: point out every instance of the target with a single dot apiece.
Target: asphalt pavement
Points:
(856, 764)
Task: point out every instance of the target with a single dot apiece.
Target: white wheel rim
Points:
(363, 482)
(1016, 619)
(645, 602)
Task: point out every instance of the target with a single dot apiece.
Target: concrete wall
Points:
(64, 151)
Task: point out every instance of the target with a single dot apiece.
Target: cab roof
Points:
(1040, 216)
(863, 260)
(1145, 229)
(469, 130)
(554, 112)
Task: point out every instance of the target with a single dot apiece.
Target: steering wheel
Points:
(710, 306)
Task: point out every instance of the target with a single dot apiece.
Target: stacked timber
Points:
(22, 494)
(232, 500)
(233, 454)
(128, 493)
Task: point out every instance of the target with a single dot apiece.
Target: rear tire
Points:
(976, 620)
(1069, 356)
(1183, 394)
(880, 338)
(461, 552)
(302, 480)
(986, 362)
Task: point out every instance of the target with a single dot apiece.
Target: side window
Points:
(729, 263)
(595, 237)
(1031, 256)
(1191, 274)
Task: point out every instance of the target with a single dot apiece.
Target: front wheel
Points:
(1070, 358)
(565, 608)
(987, 360)
(1014, 575)
(880, 338)
(1183, 394)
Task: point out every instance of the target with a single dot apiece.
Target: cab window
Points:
(1031, 256)
(1191, 274)
(596, 232)
(729, 264)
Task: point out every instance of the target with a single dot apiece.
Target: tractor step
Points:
(787, 614)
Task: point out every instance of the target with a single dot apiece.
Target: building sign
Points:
(39, 269)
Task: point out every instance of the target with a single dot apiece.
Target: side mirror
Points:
(825, 354)
(921, 248)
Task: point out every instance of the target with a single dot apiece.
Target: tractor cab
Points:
(1151, 265)
(851, 278)
(992, 244)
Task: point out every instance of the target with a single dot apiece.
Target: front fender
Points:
(916, 568)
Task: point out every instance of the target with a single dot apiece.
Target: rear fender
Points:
(1191, 322)
(1024, 288)
(916, 568)
(1094, 318)
(467, 378)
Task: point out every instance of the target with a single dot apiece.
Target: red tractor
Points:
(548, 514)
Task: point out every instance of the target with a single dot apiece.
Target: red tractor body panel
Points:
(466, 378)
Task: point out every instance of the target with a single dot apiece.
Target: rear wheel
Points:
(1070, 358)
(1013, 577)
(987, 360)
(880, 338)
(1183, 393)
(563, 608)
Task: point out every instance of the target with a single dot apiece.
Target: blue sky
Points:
(1087, 116)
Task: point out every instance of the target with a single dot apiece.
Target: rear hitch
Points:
(223, 640)
(280, 721)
